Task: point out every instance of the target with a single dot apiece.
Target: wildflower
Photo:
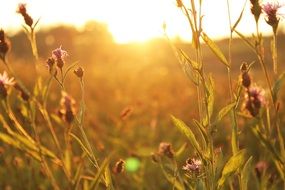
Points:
(4, 83)
(260, 168)
(4, 45)
(119, 167)
(166, 149)
(255, 9)
(67, 110)
(23, 11)
(193, 167)
(79, 72)
(254, 100)
(271, 11)
(59, 55)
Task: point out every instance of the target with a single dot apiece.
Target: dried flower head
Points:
(270, 9)
(193, 167)
(79, 72)
(67, 110)
(165, 149)
(245, 79)
(255, 9)
(50, 63)
(119, 167)
(5, 82)
(254, 100)
(4, 45)
(179, 3)
(23, 11)
(59, 55)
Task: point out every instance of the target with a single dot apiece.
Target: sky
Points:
(131, 20)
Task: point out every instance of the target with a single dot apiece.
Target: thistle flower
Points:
(254, 100)
(23, 11)
(5, 82)
(270, 9)
(59, 55)
(193, 167)
(67, 110)
(50, 63)
(165, 149)
(4, 45)
(119, 167)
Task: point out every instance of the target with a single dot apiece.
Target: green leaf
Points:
(108, 178)
(210, 95)
(224, 111)
(277, 86)
(173, 180)
(100, 172)
(233, 164)
(216, 50)
(181, 150)
(266, 143)
(245, 173)
(203, 132)
(188, 133)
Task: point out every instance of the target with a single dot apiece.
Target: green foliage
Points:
(233, 165)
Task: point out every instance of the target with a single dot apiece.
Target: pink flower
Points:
(254, 100)
(271, 10)
(59, 53)
(4, 79)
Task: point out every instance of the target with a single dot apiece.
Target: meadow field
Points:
(80, 111)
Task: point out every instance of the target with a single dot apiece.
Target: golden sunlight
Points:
(130, 20)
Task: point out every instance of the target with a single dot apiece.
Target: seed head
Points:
(246, 79)
(4, 45)
(179, 3)
(165, 149)
(67, 104)
(255, 9)
(23, 11)
(50, 63)
(79, 72)
(119, 167)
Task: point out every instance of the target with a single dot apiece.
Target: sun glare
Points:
(129, 20)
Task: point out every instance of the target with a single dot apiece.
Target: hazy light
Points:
(131, 20)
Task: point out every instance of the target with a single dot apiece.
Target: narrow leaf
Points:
(216, 50)
(240, 16)
(277, 86)
(233, 164)
(245, 173)
(224, 111)
(188, 133)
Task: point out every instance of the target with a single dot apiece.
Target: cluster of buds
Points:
(270, 9)
(5, 82)
(4, 45)
(119, 167)
(254, 96)
(23, 11)
(255, 9)
(165, 149)
(67, 111)
(193, 167)
(57, 59)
